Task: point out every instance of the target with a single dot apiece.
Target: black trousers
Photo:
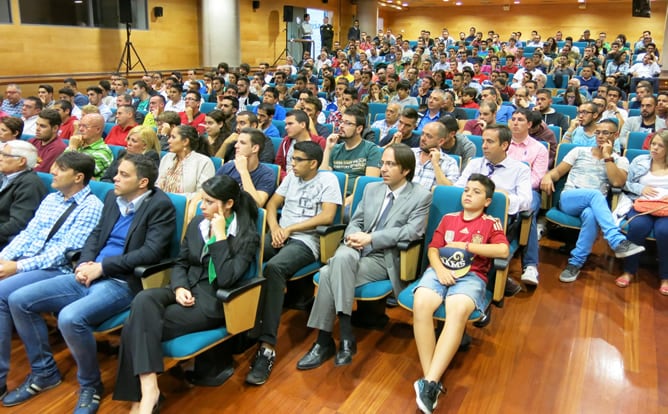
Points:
(155, 317)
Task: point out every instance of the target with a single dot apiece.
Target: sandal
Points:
(663, 290)
(624, 281)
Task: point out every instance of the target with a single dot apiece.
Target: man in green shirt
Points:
(89, 141)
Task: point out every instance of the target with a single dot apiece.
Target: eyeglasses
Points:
(348, 124)
(583, 113)
(603, 133)
(300, 159)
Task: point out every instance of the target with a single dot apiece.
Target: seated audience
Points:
(21, 190)
(461, 289)
(591, 171)
(185, 167)
(647, 179)
(90, 142)
(217, 251)
(102, 285)
(46, 141)
(432, 165)
(141, 139)
(405, 133)
(255, 178)
(125, 121)
(390, 211)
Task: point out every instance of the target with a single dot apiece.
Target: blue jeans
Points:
(7, 287)
(639, 228)
(530, 251)
(79, 308)
(592, 208)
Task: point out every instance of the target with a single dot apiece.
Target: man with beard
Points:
(581, 129)
(353, 155)
(647, 121)
(432, 165)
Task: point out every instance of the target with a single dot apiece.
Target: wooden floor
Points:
(585, 347)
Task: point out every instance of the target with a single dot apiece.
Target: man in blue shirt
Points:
(62, 222)
(12, 104)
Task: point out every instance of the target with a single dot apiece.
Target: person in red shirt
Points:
(67, 124)
(125, 121)
(192, 116)
(468, 98)
(510, 66)
(460, 256)
(49, 145)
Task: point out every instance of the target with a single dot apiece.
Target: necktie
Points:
(380, 224)
(492, 168)
(383, 216)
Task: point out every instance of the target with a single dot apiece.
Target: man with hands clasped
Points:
(591, 171)
(432, 165)
(309, 198)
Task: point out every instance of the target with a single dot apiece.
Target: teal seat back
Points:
(471, 113)
(477, 140)
(358, 190)
(107, 128)
(570, 110)
(277, 144)
(636, 139)
(100, 189)
(376, 108)
(47, 180)
(276, 169)
(116, 150)
(557, 131)
(217, 162)
(280, 125)
(207, 107)
(631, 153)
(343, 184)
(180, 203)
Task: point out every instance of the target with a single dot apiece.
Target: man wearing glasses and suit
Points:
(390, 211)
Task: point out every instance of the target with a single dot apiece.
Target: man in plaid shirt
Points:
(38, 252)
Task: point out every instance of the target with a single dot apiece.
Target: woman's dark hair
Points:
(196, 142)
(576, 91)
(223, 188)
(218, 116)
(14, 124)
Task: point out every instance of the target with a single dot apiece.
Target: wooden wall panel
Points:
(172, 41)
(612, 18)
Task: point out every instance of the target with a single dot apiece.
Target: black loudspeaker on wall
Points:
(158, 11)
(641, 8)
(125, 11)
(287, 13)
(256, 4)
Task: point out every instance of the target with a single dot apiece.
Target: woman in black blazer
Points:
(216, 252)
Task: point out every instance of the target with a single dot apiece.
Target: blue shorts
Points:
(470, 285)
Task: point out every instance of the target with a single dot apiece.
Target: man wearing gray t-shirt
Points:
(308, 198)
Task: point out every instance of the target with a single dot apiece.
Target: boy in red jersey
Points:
(460, 256)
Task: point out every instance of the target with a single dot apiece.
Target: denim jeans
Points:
(79, 308)
(639, 228)
(530, 251)
(7, 287)
(592, 208)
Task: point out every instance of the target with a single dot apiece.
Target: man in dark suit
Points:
(135, 229)
(392, 211)
(21, 190)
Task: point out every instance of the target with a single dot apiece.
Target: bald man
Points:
(89, 141)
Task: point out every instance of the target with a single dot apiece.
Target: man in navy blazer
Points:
(389, 212)
(135, 229)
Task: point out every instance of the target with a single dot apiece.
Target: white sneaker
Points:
(530, 276)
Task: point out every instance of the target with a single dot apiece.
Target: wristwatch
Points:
(609, 159)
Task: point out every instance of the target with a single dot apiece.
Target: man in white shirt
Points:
(32, 106)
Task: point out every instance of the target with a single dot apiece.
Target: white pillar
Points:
(220, 32)
(367, 14)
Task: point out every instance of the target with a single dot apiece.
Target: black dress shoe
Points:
(316, 356)
(347, 349)
(512, 287)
